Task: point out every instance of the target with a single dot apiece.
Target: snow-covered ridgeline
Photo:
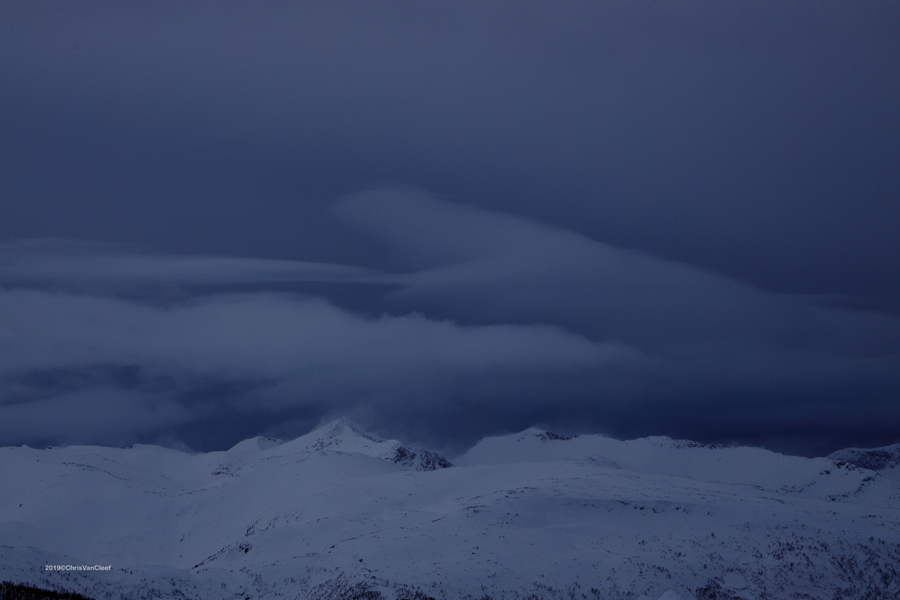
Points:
(342, 514)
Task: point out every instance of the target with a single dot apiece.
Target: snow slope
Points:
(343, 515)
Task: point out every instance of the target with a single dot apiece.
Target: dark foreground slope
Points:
(18, 591)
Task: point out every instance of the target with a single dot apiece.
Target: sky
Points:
(447, 220)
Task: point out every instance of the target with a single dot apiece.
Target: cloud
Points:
(715, 347)
(483, 266)
(65, 263)
(479, 322)
(755, 137)
(668, 155)
(262, 354)
(97, 415)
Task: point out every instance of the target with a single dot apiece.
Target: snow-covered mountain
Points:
(885, 460)
(339, 514)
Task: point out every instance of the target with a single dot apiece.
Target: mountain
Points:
(885, 460)
(344, 436)
(340, 514)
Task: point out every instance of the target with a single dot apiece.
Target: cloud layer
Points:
(757, 138)
(479, 322)
(90, 366)
(649, 217)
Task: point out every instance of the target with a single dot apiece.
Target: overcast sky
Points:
(450, 219)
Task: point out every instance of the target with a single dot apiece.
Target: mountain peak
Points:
(339, 433)
(343, 435)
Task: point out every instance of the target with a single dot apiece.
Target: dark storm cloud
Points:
(744, 360)
(755, 138)
(483, 266)
(495, 322)
(65, 357)
(680, 200)
(97, 415)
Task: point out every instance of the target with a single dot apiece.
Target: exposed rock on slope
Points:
(884, 460)
(875, 459)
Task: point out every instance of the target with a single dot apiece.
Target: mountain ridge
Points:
(885, 458)
(337, 514)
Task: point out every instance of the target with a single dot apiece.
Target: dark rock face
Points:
(549, 435)
(422, 460)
